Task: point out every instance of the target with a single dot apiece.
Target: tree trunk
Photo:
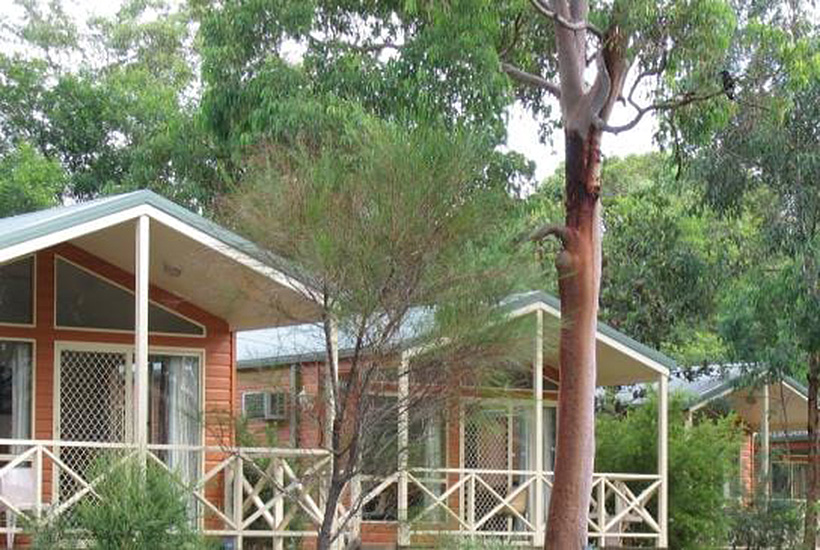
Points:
(579, 271)
(813, 492)
(326, 535)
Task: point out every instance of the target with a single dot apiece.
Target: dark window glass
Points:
(16, 292)
(86, 301)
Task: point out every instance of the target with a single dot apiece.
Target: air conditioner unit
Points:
(254, 405)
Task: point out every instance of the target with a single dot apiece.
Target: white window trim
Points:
(33, 343)
(266, 414)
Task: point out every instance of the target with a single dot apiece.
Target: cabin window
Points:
(15, 391)
(427, 449)
(788, 479)
(175, 411)
(17, 292)
(87, 301)
(259, 405)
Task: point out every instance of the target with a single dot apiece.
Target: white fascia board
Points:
(74, 232)
(52, 239)
(702, 404)
(603, 338)
(796, 391)
(652, 364)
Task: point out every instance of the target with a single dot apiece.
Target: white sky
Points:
(522, 132)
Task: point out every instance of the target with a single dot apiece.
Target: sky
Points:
(522, 133)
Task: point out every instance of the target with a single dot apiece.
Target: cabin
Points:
(773, 457)
(118, 319)
(124, 331)
(483, 468)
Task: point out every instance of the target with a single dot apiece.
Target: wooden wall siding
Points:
(376, 534)
(218, 346)
(747, 465)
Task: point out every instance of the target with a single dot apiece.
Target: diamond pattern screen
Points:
(92, 408)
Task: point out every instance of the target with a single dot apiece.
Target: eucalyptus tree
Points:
(666, 255)
(464, 62)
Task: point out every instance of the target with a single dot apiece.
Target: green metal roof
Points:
(730, 379)
(314, 352)
(25, 227)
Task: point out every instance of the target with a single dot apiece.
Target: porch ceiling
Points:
(208, 278)
(787, 407)
(190, 256)
(620, 359)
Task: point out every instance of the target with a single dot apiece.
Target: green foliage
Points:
(28, 180)
(765, 525)
(701, 460)
(665, 256)
(137, 509)
(109, 100)
(386, 214)
(768, 159)
(463, 543)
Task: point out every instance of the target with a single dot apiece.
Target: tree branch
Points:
(372, 47)
(667, 105)
(531, 79)
(556, 230)
(564, 22)
(516, 35)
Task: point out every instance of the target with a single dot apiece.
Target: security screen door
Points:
(93, 393)
(96, 405)
(501, 438)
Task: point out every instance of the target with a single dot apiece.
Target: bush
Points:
(138, 509)
(464, 543)
(702, 459)
(776, 525)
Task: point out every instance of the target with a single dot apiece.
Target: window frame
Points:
(100, 276)
(267, 405)
(33, 323)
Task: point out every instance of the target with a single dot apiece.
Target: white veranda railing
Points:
(277, 494)
(499, 504)
(243, 492)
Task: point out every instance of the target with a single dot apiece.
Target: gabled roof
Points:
(744, 396)
(616, 351)
(16, 230)
(728, 379)
(520, 301)
(213, 260)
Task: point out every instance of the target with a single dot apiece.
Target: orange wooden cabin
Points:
(117, 335)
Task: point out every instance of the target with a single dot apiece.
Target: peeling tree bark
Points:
(579, 269)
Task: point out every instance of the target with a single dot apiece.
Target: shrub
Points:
(702, 459)
(775, 525)
(463, 543)
(137, 509)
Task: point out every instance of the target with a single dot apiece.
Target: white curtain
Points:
(433, 439)
(20, 365)
(184, 415)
